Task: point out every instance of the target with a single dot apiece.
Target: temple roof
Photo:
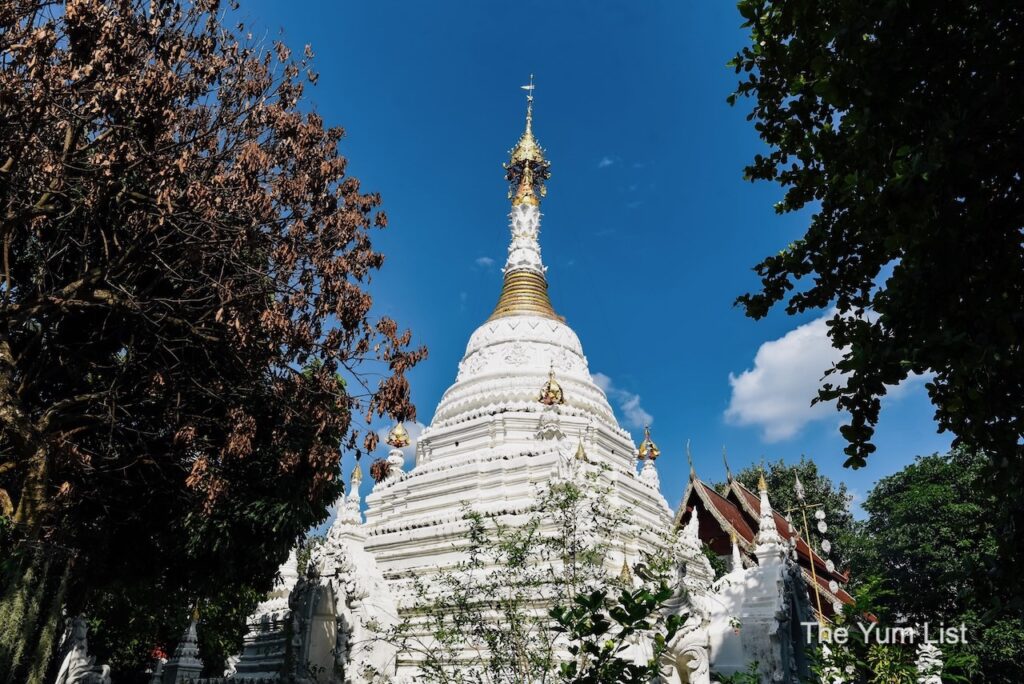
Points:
(738, 514)
(752, 503)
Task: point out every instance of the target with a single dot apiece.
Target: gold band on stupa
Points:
(524, 292)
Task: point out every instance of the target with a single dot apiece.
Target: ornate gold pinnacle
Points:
(648, 449)
(398, 437)
(581, 454)
(551, 392)
(527, 169)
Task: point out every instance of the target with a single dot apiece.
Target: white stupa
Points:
(522, 409)
(522, 401)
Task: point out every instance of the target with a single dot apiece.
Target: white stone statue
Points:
(78, 666)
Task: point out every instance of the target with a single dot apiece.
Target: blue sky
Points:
(649, 229)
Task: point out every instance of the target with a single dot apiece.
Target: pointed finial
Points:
(581, 454)
(737, 560)
(356, 477)
(767, 532)
(529, 104)
(692, 530)
(527, 165)
(762, 486)
(798, 487)
(625, 574)
(725, 460)
(398, 437)
(648, 449)
(551, 393)
(689, 459)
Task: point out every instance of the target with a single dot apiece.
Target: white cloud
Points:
(776, 393)
(605, 162)
(628, 403)
(484, 262)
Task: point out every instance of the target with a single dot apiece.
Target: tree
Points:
(819, 489)
(185, 330)
(890, 121)
(929, 541)
(535, 598)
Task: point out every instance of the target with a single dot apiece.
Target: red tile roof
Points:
(735, 516)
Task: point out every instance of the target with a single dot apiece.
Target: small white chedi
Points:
(522, 404)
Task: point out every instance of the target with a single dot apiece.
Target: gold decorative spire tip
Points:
(398, 437)
(551, 393)
(527, 169)
(581, 454)
(648, 449)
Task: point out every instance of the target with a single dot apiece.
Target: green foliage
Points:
(748, 676)
(890, 126)
(892, 122)
(536, 598)
(181, 236)
(930, 542)
(717, 564)
(599, 630)
(305, 550)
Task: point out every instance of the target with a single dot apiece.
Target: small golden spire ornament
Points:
(551, 392)
(581, 454)
(762, 486)
(398, 437)
(357, 476)
(625, 575)
(648, 449)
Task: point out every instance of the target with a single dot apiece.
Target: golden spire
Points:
(527, 169)
(625, 575)
(551, 393)
(524, 290)
(648, 449)
(528, 149)
(398, 437)
(762, 486)
(356, 477)
(581, 454)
